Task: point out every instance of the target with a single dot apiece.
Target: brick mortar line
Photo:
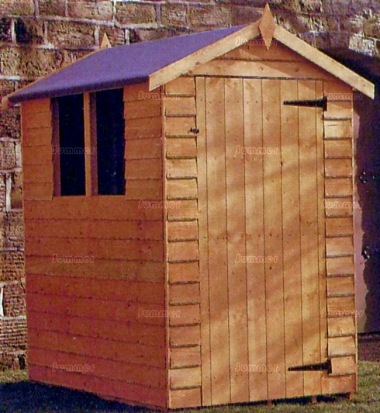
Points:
(17, 317)
(13, 282)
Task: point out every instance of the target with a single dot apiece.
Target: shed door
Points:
(262, 241)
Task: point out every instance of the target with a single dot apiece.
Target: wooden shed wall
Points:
(188, 363)
(97, 324)
(182, 248)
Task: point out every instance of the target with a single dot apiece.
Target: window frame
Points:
(90, 146)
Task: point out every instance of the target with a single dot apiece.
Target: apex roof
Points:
(160, 61)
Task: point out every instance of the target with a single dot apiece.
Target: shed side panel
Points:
(182, 246)
(95, 266)
(340, 311)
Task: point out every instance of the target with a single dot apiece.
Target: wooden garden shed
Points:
(189, 220)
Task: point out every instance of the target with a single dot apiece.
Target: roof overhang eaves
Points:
(325, 62)
(77, 90)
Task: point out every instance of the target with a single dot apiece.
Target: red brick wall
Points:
(39, 36)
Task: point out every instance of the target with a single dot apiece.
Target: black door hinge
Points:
(313, 367)
(319, 103)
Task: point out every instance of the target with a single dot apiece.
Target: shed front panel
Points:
(262, 239)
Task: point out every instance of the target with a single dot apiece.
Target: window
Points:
(89, 144)
(110, 142)
(69, 150)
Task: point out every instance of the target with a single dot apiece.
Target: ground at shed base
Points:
(18, 395)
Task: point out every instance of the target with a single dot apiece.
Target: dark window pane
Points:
(71, 143)
(110, 142)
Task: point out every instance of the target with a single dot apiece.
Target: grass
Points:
(18, 395)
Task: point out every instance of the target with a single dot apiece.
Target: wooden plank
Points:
(338, 227)
(324, 61)
(291, 239)
(340, 286)
(182, 86)
(184, 293)
(237, 277)
(340, 266)
(339, 246)
(338, 148)
(182, 230)
(217, 245)
(338, 187)
(95, 229)
(149, 189)
(178, 251)
(256, 323)
(77, 208)
(182, 210)
(322, 274)
(339, 109)
(40, 172)
(185, 398)
(113, 290)
(337, 168)
(110, 389)
(183, 272)
(36, 120)
(181, 148)
(181, 189)
(62, 249)
(309, 208)
(339, 207)
(36, 105)
(143, 169)
(185, 378)
(57, 248)
(35, 155)
(340, 306)
(181, 106)
(143, 128)
(273, 240)
(340, 346)
(338, 129)
(36, 191)
(153, 356)
(150, 148)
(109, 269)
(37, 137)
(254, 50)
(185, 357)
(88, 141)
(337, 91)
(181, 168)
(267, 69)
(102, 309)
(134, 250)
(98, 367)
(341, 326)
(135, 333)
(340, 384)
(203, 55)
(184, 336)
(182, 315)
(139, 91)
(179, 126)
(142, 109)
(56, 147)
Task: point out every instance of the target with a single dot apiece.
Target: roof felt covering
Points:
(118, 66)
